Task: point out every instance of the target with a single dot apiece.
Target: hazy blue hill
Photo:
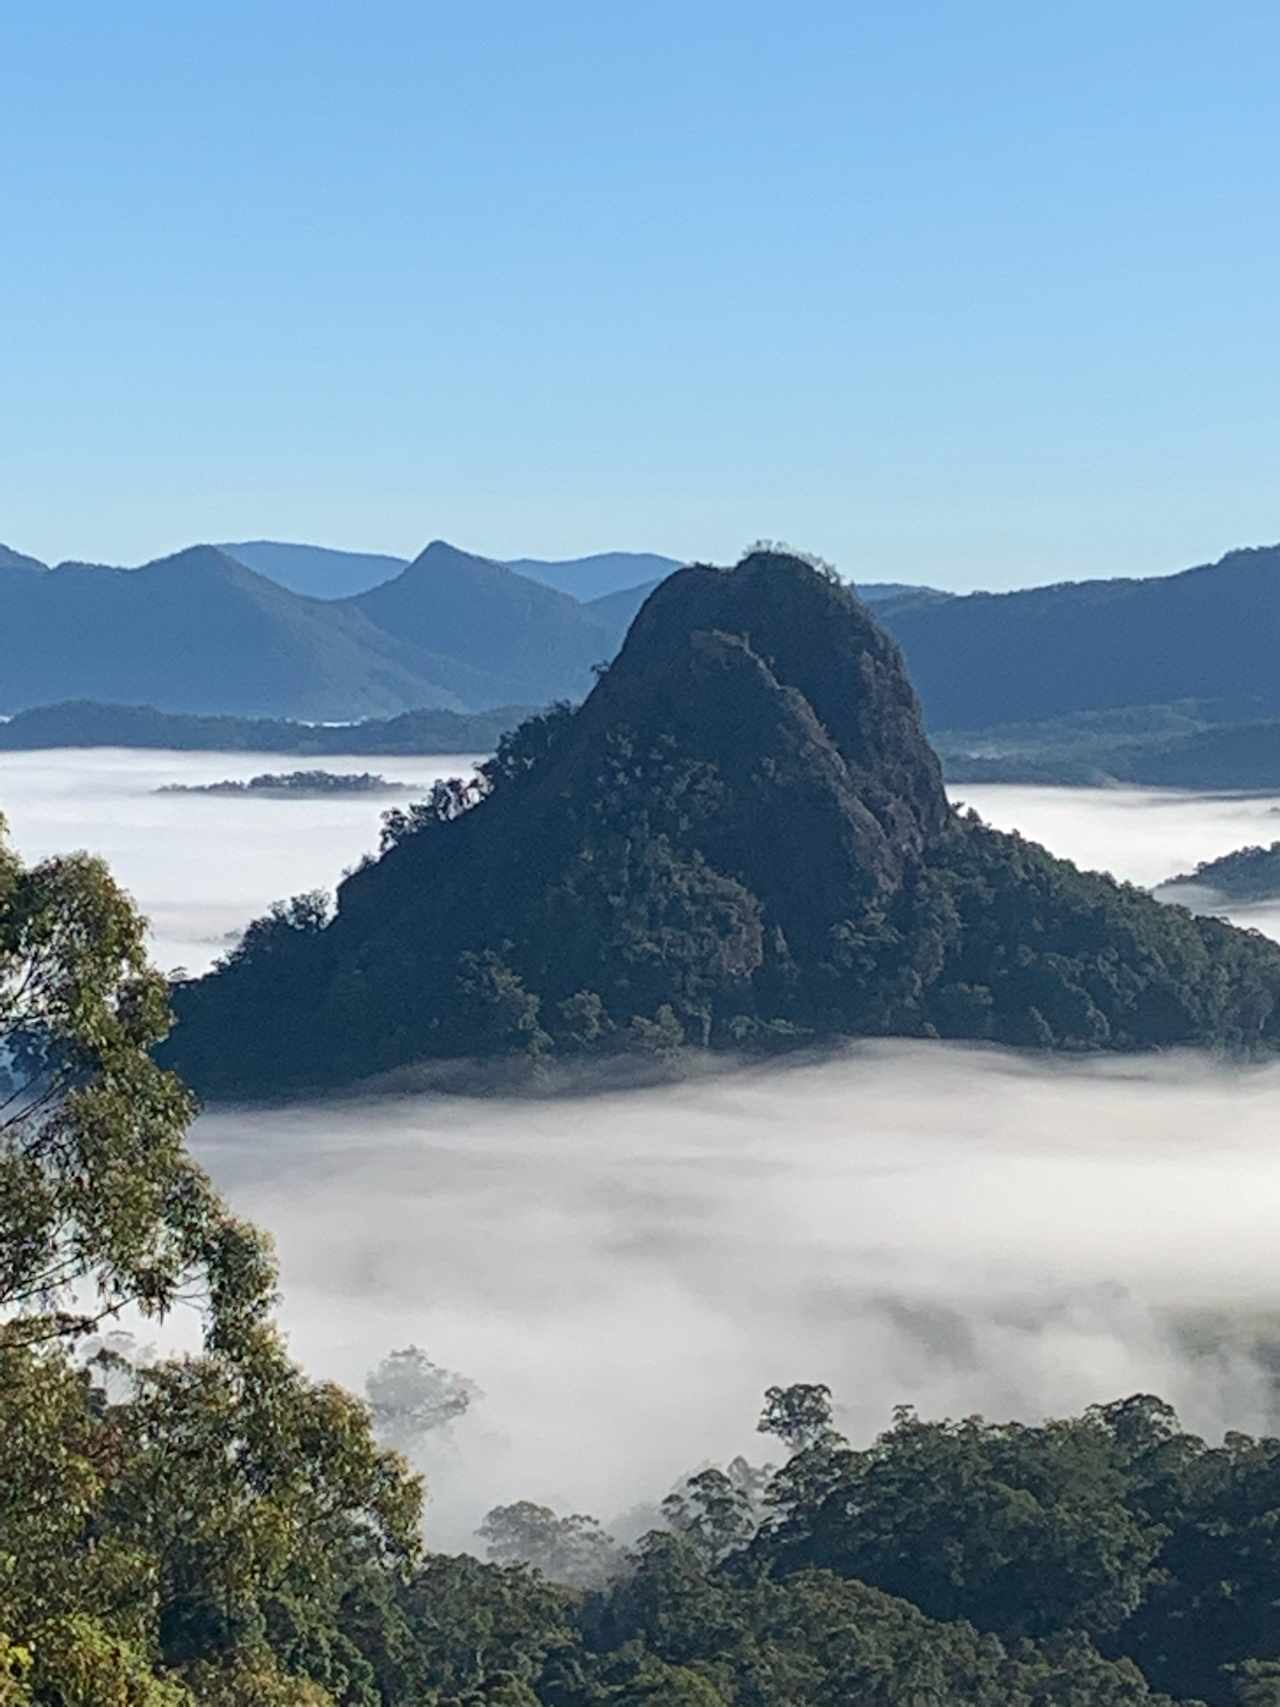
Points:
(11, 559)
(86, 723)
(199, 632)
(315, 570)
(539, 642)
(618, 610)
(1211, 633)
(588, 578)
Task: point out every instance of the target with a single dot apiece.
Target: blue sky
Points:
(974, 294)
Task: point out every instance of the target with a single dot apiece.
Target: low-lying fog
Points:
(623, 1273)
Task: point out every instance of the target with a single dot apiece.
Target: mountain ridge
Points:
(199, 632)
(1210, 632)
(512, 627)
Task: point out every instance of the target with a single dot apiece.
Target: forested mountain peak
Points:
(740, 839)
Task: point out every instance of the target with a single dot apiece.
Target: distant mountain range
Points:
(315, 570)
(1209, 634)
(322, 573)
(266, 628)
(201, 632)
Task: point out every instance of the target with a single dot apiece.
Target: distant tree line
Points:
(87, 723)
(299, 783)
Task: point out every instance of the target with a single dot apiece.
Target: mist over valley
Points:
(622, 1272)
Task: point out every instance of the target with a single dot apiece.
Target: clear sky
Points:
(977, 294)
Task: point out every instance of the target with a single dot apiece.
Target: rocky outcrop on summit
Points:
(739, 840)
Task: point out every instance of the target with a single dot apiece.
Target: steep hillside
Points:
(739, 840)
(1211, 633)
(539, 642)
(200, 633)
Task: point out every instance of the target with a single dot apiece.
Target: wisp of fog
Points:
(622, 1273)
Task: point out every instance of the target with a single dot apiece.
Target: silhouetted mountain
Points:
(739, 840)
(199, 632)
(1211, 633)
(539, 643)
(11, 559)
(315, 570)
(323, 573)
(588, 578)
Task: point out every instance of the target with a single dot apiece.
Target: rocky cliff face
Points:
(739, 839)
